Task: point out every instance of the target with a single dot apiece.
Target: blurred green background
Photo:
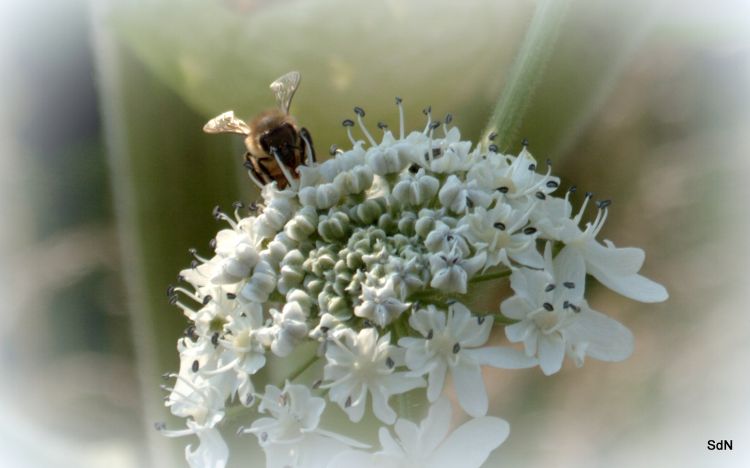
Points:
(107, 180)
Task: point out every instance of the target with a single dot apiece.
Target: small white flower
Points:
(212, 451)
(554, 318)
(455, 343)
(380, 304)
(501, 234)
(459, 196)
(290, 435)
(362, 363)
(450, 272)
(431, 444)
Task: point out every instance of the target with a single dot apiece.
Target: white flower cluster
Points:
(374, 256)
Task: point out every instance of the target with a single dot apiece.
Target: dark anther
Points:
(368, 324)
(194, 264)
(382, 125)
(493, 148)
(456, 348)
(317, 384)
(389, 362)
(426, 156)
(603, 204)
(532, 167)
(173, 299)
(215, 339)
(348, 402)
(547, 306)
(414, 168)
(170, 290)
(499, 225)
(549, 162)
(529, 231)
(359, 111)
(503, 189)
(348, 123)
(253, 207)
(552, 184)
(566, 304)
(238, 205)
(434, 125)
(264, 436)
(190, 333)
(540, 195)
(207, 299)
(427, 110)
(469, 203)
(575, 308)
(195, 366)
(399, 100)
(231, 296)
(212, 243)
(448, 119)
(572, 189)
(449, 238)
(492, 136)
(569, 284)
(333, 149)
(193, 251)
(430, 334)
(216, 212)
(436, 152)
(589, 194)
(550, 287)
(480, 319)
(525, 142)
(180, 278)
(160, 426)
(249, 400)
(324, 329)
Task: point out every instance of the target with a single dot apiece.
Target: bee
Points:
(276, 144)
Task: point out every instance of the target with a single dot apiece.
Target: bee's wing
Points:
(284, 89)
(226, 123)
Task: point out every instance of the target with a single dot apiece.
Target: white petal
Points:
(435, 427)
(381, 408)
(436, 380)
(502, 357)
(551, 353)
(515, 307)
(471, 444)
(472, 396)
(617, 269)
(212, 452)
(607, 339)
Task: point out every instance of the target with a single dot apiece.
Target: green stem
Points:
(490, 276)
(500, 319)
(300, 370)
(527, 70)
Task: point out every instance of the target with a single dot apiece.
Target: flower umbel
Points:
(372, 258)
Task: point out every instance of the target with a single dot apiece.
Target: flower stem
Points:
(490, 276)
(527, 71)
(301, 369)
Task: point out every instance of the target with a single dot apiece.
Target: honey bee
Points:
(276, 144)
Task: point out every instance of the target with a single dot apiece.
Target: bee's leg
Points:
(252, 171)
(309, 150)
